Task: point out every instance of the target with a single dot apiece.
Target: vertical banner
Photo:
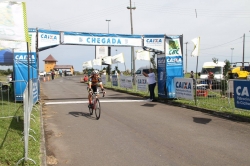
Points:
(13, 21)
(142, 84)
(101, 52)
(104, 81)
(242, 94)
(184, 88)
(174, 62)
(161, 72)
(21, 66)
(114, 80)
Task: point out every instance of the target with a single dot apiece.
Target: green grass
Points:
(11, 135)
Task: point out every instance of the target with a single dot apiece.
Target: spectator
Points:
(210, 79)
(151, 83)
(53, 75)
(192, 76)
(85, 79)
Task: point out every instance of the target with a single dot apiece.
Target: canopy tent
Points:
(6, 57)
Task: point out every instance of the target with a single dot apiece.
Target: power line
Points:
(221, 44)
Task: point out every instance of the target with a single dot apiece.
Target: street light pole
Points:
(186, 56)
(132, 48)
(232, 55)
(108, 25)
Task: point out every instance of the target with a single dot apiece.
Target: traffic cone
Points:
(44, 79)
(48, 78)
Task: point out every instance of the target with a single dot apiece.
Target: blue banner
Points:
(161, 72)
(21, 72)
(242, 94)
(174, 63)
(114, 80)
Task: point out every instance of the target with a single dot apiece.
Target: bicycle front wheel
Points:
(97, 109)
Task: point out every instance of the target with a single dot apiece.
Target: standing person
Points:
(151, 83)
(53, 74)
(210, 79)
(192, 76)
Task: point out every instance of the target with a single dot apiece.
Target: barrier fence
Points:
(10, 108)
(219, 98)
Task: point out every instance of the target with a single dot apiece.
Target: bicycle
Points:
(95, 104)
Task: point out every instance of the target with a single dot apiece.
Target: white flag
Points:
(196, 50)
(97, 62)
(107, 60)
(4, 44)
(142, 55)
(13, 21)
(87, 64)
(119, 58)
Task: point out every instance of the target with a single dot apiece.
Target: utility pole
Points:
(232, 55)
(132, 48)
(186, 56)
(243, 58)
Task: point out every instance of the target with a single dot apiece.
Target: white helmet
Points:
(95, 72)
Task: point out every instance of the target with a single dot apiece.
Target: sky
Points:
(220, 24)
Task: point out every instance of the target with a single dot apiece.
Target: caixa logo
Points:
(242, 91)
(48, 36)
(183, 85)
(154, 41)
(24, 57)
(161, 60)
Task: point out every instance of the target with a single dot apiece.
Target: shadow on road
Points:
(201, 120)
(148, 105)
(80, 114)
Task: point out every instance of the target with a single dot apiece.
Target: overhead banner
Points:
(82, 38)
(48, 39)
(13, 21)
(242, 94)
(154, 43)
(101, 51)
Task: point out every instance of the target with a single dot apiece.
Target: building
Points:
(50, 64)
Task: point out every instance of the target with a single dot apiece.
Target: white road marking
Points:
(102, 101)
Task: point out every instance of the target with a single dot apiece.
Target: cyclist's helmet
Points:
(95, 72)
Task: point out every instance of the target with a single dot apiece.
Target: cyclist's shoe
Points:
(90, 105)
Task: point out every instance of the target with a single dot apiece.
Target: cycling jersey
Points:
(94, 80)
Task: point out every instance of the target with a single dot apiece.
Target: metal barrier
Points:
(7, 108)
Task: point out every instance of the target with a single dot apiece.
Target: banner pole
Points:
(195, 97)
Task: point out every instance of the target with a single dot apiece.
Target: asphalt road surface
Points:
(133, 132)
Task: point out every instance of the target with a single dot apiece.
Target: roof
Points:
(50, 58)
(63, 67)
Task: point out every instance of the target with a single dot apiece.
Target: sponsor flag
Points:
(196, 50)
(97, 62)
(87, 64)
(107, 60)
(119, 58)
(13, 21)
(142, 55)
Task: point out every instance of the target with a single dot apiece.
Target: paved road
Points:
(135, 132)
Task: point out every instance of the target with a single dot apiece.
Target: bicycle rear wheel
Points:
(97, 109)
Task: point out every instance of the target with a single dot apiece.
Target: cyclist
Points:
(94, 79)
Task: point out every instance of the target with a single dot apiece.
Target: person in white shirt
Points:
(151, 83)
